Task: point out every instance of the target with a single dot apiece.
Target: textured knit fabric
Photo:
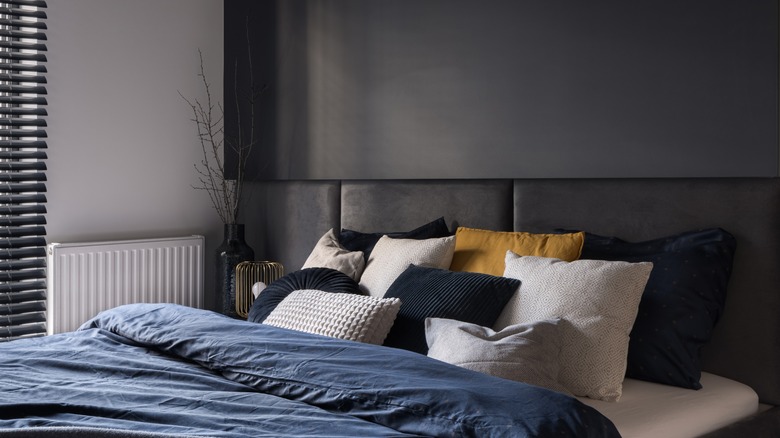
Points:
(343, 316)
(325, 279)
(391, 257)
(599, 298)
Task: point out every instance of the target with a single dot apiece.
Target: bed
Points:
(166, 370)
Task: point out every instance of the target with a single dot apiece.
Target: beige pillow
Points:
(391, 257)
(328, 253)
(598, 298)
(523, 352)
(344, 316)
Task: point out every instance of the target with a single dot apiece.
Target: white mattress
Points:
(651, 410)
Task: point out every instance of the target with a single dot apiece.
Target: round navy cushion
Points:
(325, 279)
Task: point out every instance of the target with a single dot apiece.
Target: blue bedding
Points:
(161, 368)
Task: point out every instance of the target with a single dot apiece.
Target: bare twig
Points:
(224, 194)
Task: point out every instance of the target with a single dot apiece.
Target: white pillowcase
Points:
(344, 316)
(523, 352)
(390, 258)
(599, 298)
(328, 253)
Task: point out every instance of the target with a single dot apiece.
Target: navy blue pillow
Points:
(326, 279)
(682, 302)
(358, 241)
(439, 293)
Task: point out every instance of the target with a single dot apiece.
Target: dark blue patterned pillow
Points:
(439, 293)
(358, 241)
(681, 304)
(325, 279)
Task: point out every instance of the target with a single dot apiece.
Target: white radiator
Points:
(87, 278)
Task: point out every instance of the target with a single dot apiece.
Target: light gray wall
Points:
(121, 143)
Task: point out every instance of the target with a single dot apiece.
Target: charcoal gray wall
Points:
(507, 88)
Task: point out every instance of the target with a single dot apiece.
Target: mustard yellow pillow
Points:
(484, 250)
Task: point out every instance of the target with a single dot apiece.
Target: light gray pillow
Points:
(328, 253)
(390, 258)
(599, 298)
(344, 316)
(523, 352)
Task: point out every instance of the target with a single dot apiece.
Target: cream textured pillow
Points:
(344, 316)
(523, 352)
(328, 253)
(391, 257)
(599, 298)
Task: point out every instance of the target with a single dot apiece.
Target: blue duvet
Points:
(161, 368)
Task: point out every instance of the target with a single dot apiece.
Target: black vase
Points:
(231, 252)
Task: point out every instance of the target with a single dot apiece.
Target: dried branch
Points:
(224, 194)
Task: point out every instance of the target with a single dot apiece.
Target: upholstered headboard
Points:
(288, 218)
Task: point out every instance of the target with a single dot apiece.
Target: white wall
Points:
(121, 143)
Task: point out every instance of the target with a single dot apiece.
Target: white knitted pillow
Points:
(390, 258)
(328, 253)
(345, 316)
(599, 299)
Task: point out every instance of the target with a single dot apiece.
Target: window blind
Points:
(22, 168)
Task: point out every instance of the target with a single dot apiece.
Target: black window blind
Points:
(22, 168)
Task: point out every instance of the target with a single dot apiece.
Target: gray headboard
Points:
(287, 219)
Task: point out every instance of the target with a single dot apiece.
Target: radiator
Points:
(87, 278)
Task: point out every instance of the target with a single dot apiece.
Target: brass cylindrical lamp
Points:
(249, 273)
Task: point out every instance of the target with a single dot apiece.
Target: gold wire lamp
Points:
(249, 273)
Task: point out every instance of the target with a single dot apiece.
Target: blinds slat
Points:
(21, 45)
(18, 56)
(23, 144)
(23, 199)
(18, 121)
(30, 274)
(11, 22)
(23, 100)
(22, 264)
(8, 310)
(22, 78)
(13, 33)
(22, 176)
(22, 187)
(22, 242)
(22, 209)
(35, 292)
(21, 253)
(21, 318)
(35, 3)
(17, 221)
(23, 331)
(22, 165)
(36, 133)
(25, 209)
(36, 289)
(18, 12)
(22, 231)
(18, 68)
(23, 111)
(27, 89)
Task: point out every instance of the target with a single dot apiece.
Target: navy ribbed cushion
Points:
(683, 300)
(325, 279)
(439, 293)
(359, 241)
